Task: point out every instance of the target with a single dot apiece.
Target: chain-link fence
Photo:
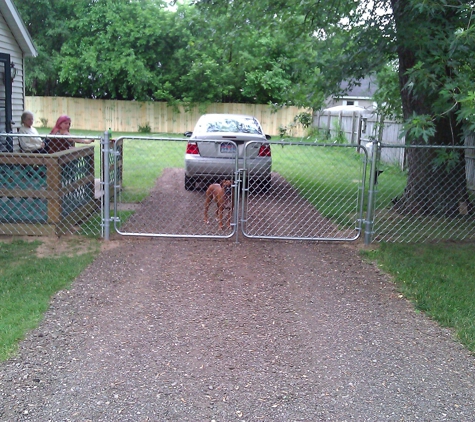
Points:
(155, 196)
(280, 190)
(315, 194)
(50, 193)
(430, 198)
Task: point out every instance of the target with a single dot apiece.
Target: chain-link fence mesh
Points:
(315, 193)
(50, 193)
(300, 191)
(429, 198)
(156, 198)
(280, 190)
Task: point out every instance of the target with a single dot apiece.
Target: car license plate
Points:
(227, 148)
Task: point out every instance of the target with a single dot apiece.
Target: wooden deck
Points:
(43, 194)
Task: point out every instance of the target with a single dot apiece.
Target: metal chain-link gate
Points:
(316, 194)
(311, 191)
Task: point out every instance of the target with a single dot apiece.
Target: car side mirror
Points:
(268, 137)
(188, 134)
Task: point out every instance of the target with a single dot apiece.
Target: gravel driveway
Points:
(202, 330)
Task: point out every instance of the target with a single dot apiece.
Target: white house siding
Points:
(8, 45)
(363, 102)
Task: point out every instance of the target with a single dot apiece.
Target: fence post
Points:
(369, 223)
(105, 150)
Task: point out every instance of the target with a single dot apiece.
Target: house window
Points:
(350, 102)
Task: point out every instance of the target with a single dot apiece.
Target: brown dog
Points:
(222, 193)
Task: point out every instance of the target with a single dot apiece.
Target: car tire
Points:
(190, 183)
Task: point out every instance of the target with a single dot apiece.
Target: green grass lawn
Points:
(28, 282)
(144, 162)
(438, 278)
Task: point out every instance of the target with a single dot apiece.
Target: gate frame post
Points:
(106, 218)
(236, 199)
(369, 223)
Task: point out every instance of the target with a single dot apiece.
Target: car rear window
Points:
(231, 124)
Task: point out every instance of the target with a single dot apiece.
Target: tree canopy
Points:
(143, 50)
(282, 52)
(430, 46)
(271, 51)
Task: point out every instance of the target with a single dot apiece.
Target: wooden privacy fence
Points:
(127, 116)
(355, 125)
(358, 128)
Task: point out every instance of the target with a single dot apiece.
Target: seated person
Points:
(62, 128)
(30, 144)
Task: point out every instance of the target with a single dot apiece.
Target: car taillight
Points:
(192, 148)
(264, 151)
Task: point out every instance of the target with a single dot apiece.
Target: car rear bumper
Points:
(197, 166)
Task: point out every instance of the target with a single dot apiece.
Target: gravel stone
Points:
(210, 330)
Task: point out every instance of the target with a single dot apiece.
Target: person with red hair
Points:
(62, 128)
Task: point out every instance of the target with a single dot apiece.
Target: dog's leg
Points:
(209, 197)
(219, 211)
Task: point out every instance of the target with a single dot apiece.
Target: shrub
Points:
(304, 118)
(145, 128)
(283, 131)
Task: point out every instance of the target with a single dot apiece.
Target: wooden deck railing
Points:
(46, 193)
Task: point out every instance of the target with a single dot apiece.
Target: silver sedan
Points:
(217, 140)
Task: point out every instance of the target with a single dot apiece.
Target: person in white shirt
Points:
(30, 144)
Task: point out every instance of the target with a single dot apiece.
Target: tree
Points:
(47, 22)
(117, 50)
(428, 38)
(142, 50)
(432, 42)
(232, 57)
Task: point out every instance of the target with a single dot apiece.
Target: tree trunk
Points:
(436, 183)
